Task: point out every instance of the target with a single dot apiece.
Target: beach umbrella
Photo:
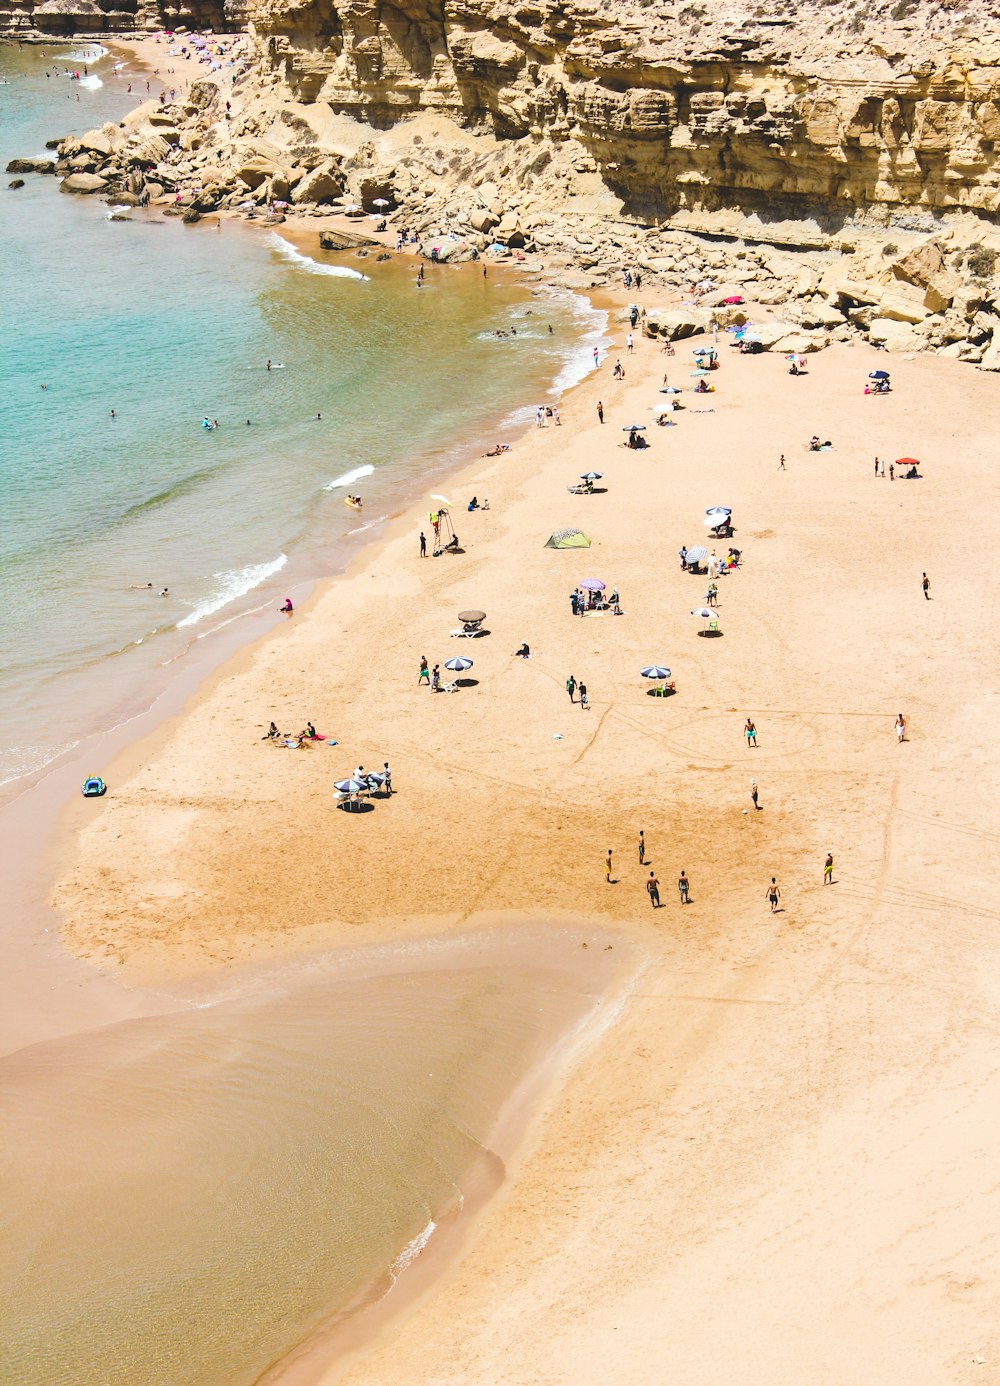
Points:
(696, 554)
(702, 611)
(715, 521)
(380, 202)
(592, 585)
(655, 671)
(349, 786)
(592, 476)
(634, 428)
(459, 664)
(719, 510)
(907, 462)
(472, 615)
(878, 375)
(696, 374)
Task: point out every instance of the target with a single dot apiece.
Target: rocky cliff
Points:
(91, 17)
(680, 106)
(843, 163)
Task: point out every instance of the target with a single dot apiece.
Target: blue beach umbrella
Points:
(655, 671)
(349, 786)
(878, 375)
(459, 664)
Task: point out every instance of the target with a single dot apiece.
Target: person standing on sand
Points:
(900, 728)
(781, 463)
(387, 777)
(583, 696)
(607, 868)
(628, 344)
(571, 687)
(642, 848)
(423, 544)
(828, 869)
(773, 894)
(425, 674)
(753, 793)
(926, 585)
(750, 732)
(876, 466)
(683, 886)
(653, 887)
(600, 410)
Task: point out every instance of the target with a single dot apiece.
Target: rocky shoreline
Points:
(239, 144)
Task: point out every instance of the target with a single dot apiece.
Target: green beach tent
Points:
(568, 539)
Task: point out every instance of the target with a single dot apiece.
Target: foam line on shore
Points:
(233, 585)
(295, 257)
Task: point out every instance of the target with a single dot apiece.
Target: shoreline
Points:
(755, 1086)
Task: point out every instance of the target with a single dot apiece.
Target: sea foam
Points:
(232, 585)
(349, 478)
(295, 257)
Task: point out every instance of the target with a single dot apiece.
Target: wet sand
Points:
(777, 1165)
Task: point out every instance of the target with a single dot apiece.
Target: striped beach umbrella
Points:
(459, 664)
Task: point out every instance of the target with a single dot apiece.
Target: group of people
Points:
(583, 600)
(294, 741)
(543, 413)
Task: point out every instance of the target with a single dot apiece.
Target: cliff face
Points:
(824, 116)
(67, 17)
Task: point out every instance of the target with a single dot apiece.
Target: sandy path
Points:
(778, 1165)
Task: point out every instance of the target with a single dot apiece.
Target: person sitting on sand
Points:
(453, 544)
(814, 443)
(497, 449)
(485, 505)
(272, 733)
(287, 607)
(523, 653)
(310, 731)
(473, 504)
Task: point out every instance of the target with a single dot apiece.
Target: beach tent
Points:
(568, 539)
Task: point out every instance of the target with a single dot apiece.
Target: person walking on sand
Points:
(828, 869)
(750, 732)
(423, 544)
(892, 471)
(600, 410)
(926, 585)
(642, 848)
(753, 793)
(876, 466)
(583, 697)
(683, 886)
(435, 678)
(425, 674)
(781, 463)
(607, 868)
(628, 344)
(900, 728)
(571, 688)
(773, 894)
(653, 887)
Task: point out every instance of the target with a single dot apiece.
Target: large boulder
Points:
(482, 220)
(83, 183)
(31, 166)
(919, 265)
(800, 342)
(255, 170)
(855, 291)
(677, 324)
(903, 303)
(336, 239)
(941, 291)
(96, 142)
(893, 334)
(321, 185)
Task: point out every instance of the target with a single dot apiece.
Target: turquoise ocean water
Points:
(166, 324)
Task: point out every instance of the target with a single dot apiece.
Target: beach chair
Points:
(448, 687)
(713, 626)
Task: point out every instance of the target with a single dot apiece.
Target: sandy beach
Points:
(777, 1164)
